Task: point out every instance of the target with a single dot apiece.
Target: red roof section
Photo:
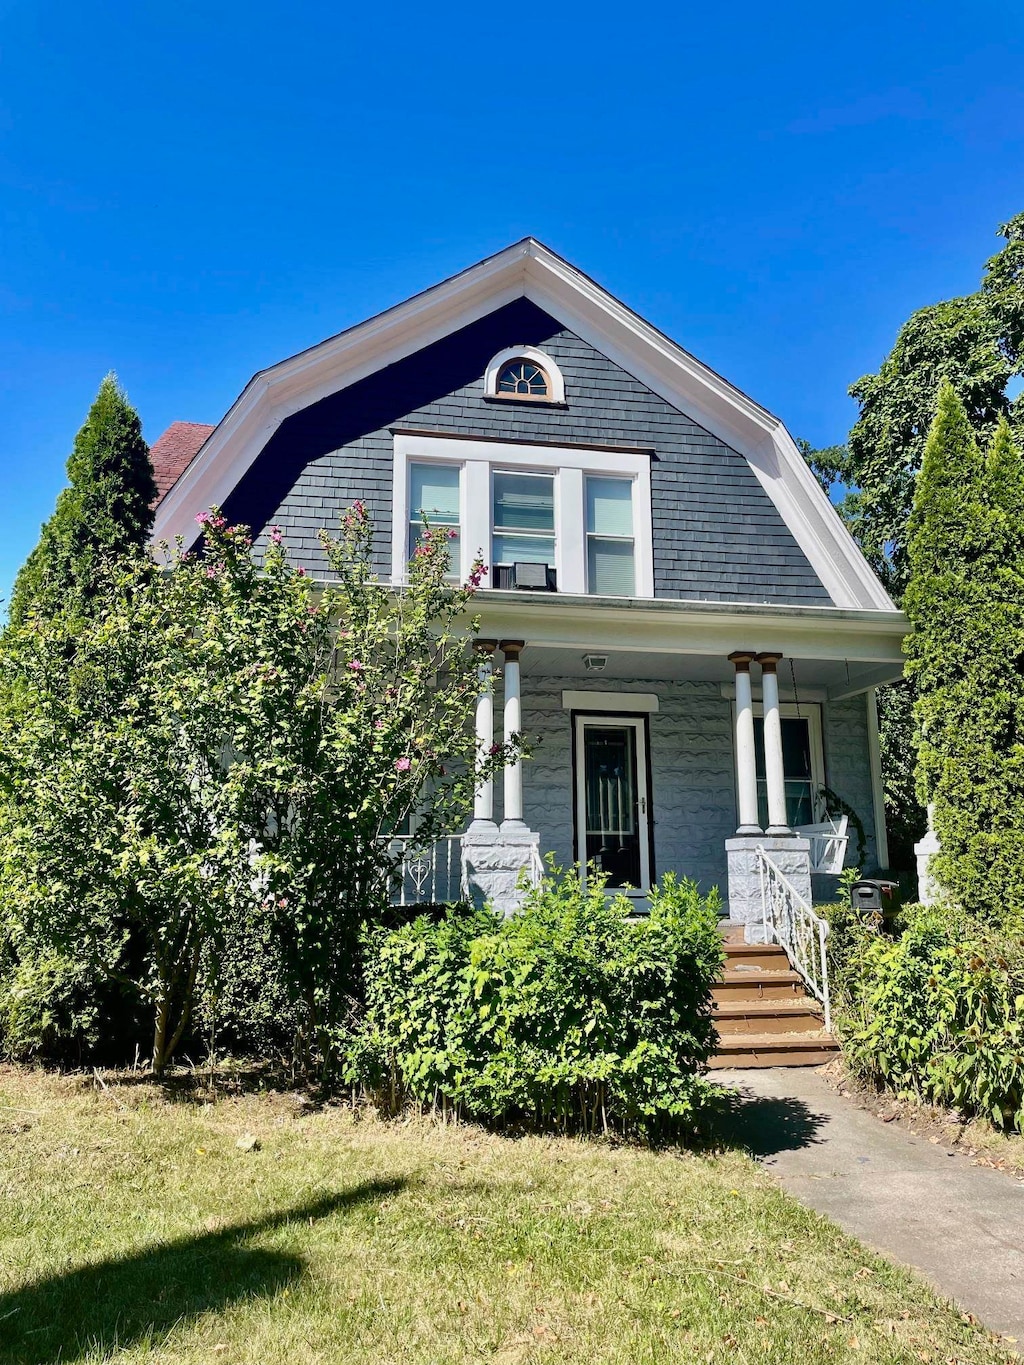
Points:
(174, 451)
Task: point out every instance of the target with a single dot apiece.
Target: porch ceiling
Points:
(835, 652)
(816, 679)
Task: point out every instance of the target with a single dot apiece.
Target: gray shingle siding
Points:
(717, 535)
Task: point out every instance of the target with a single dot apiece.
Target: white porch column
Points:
(746, 764)
(773, 767)
(483, 799)
(513, 724)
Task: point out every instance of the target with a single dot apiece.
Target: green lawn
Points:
(134, 1227)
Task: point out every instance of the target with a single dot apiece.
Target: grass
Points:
(139, 1227)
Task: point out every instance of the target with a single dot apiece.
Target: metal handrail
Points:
(790, 921)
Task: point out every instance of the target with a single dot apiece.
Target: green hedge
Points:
(568, 1013)
(934, 1008)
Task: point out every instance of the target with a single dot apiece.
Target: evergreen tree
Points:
(965, 599)
(106, 508)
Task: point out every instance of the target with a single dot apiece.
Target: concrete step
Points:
(798, 1015)
(773, 1049)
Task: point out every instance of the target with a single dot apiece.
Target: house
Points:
(683, 627)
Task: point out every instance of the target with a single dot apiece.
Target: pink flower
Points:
(494, 750)
(301, 572)
(202, 518)
(403, 765)
(452, 533)
(355, 666)
(378, 725)
(275, 535)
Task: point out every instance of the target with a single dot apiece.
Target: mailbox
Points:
(872, 897)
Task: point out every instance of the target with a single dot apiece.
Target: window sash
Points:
(435, 492)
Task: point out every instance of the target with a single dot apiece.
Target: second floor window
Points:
(610, 557)
(434, 494)
(524, 519)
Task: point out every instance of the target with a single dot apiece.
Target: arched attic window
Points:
(524, 374)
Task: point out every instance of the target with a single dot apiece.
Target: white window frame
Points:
(569, 465)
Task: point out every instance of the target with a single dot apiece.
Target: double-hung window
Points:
(435, 494)
(610, 547)
(576, 519)
(523, 520)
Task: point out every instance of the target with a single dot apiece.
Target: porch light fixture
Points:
(595, 663)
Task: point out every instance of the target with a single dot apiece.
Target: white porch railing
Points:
(828, 842)
(428, 874)
(791, 922)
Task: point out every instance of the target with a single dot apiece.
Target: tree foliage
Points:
(976, 343)
(965, 600)
(105, 509)
(218, 738)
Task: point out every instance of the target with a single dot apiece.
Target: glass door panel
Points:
(612, 800)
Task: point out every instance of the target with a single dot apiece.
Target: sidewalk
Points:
(960, 1226)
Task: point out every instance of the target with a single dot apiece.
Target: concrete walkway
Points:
(960, 1226)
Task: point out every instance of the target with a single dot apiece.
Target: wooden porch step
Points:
(798, 1015)
(773, 1049)
(768, 955)
(754, 983)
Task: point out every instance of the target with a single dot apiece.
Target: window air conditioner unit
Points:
(534, 577)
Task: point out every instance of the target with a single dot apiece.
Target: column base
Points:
(495, 861)
(928, 890)
(483, 829)
(791, 855)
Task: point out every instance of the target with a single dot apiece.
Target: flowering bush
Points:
(222, 736)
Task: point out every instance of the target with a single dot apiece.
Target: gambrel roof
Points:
(528, 269)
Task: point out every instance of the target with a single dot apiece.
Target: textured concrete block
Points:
(791, 855)
(495, 865)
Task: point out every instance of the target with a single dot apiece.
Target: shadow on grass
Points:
(117, 1303)
(761, 1125)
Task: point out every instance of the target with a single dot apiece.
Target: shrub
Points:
(57, 1008)
(937, 1011)
(568, 1013)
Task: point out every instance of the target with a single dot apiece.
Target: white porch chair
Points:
(828, 844)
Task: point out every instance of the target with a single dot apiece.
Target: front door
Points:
(612, 800)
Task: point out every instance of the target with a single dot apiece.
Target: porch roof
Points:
(832, 652)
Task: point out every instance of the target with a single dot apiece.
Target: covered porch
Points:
(680, 736)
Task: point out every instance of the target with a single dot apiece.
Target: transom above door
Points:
(612, 788)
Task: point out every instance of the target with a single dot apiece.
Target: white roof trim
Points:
(529, 269)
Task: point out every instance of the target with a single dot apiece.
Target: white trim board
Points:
(529, 269)
(580, 700)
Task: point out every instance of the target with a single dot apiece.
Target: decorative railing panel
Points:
(791, 922)
(428, 873)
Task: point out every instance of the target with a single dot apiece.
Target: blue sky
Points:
(191, 192)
